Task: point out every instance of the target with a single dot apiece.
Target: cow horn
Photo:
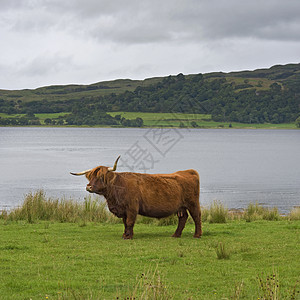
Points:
(115, 165)
(81, 173)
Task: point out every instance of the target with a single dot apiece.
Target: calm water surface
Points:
(236, 166)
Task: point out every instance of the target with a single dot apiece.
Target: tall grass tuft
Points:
(172, 220)
(271, 214)
(269, 287)
(3, 214)
(295, 292)
(37, 207)
(150, 286)
(258, 212)
(294, 214)
(217, 213)
(222, 252)
(238, 291)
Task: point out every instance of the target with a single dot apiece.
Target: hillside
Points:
(260, 96)
(72, 91)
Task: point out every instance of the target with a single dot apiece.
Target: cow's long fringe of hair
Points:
(115, 190)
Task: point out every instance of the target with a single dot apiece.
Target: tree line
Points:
(74, 119)
(222, 99)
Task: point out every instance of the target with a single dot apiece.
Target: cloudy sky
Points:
(46, 42)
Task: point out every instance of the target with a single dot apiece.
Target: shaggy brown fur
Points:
(151, 195)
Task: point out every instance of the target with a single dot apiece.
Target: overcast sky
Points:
(46, 42)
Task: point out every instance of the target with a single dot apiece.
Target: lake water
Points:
(235, 166)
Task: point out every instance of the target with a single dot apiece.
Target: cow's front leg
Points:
(125, 226)
(129, 221)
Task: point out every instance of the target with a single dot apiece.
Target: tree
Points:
(275, 87)
(297, 122)
(48, 121)
(118, 117)
(23, 121)
(180, 77)
(139, 122)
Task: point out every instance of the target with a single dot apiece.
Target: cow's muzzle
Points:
(89, 188)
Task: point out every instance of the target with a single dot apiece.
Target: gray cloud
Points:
(168, 20)
(144, 21)
(46, 64)
(91, 40)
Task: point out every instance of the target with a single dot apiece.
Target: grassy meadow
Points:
(60, 249)
(73, 91)
(202, 121)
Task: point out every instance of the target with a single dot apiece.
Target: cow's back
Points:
(160, 195)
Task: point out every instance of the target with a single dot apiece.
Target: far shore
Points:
(289, 126)
(150, 120)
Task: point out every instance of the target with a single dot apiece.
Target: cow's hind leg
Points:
(125, 226)
(195, 213)
(182, 217)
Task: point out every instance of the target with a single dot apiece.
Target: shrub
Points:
(217, 213)
(37, 207)
(271, 214)
(172, 220)
(204, 213)
(145, 220)
(294, 214)
(258, 212)
(253, 212)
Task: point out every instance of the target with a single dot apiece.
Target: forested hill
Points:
(264, 95)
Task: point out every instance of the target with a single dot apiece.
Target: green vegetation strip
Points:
(155, 120)
(198, 120)
(239, 259)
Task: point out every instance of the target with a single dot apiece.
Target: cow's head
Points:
(98, 178)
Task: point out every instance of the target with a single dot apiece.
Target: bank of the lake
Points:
(171, 120)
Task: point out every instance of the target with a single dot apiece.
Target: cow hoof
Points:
(197, 236)
(126, 237)
(176, 236)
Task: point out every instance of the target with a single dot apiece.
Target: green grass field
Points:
(202, 121)
(164, 119)
(66, 261)
(2, 115)
(51, 249)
